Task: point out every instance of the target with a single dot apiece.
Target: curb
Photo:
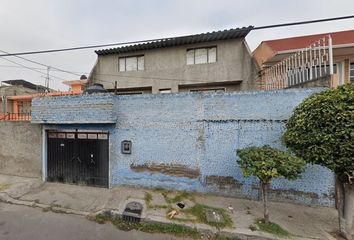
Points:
(4, 197)
(202, 230)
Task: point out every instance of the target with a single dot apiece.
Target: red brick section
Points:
(338, 38)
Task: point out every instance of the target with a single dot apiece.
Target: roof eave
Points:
(237, 33)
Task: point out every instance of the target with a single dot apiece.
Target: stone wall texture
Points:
(20, 149)
(73, 109)
(188, 141)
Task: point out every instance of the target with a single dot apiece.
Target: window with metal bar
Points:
(201, 55)
(351, 72)
(135, 63)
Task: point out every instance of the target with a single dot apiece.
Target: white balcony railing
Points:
(310, 63)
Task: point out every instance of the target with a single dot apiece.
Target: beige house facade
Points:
(217, 61)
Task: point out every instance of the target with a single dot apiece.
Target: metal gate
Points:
(78, 158)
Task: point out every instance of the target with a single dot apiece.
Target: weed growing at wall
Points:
(271, 228)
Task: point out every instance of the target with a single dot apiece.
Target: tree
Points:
(321, 131)
(267, 163)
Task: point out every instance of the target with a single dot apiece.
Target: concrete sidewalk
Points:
(302, 222)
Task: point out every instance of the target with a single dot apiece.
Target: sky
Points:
(49, 24)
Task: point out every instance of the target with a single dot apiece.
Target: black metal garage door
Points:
(78, 158)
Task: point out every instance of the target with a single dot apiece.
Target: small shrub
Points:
(267, 163)
(272, 228)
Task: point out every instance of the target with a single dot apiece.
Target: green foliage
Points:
(148, 199)
(221, 237)
(174, 229)
(321, 129)
(3, 186)
(182, 196)
(272, 228)
(198, 210)
(101, 219)
(266, 163)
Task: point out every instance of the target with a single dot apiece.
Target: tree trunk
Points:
(345, 202)
(348, 209)
(265, 187)
(340, 203)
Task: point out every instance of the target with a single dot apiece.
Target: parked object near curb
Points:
(132, 212)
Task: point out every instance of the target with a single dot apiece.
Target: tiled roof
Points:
(338, 38)
(177, 41)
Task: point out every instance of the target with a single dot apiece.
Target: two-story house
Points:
(17, 102)
(216, 61)
(271, 52)
(16, 87)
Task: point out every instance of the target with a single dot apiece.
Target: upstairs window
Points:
(135, 63)
(351, 72)
(201, 55)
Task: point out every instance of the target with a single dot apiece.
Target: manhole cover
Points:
(132, 212)
(213, 216)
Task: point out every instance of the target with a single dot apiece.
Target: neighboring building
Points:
(272, 52)
(19, 107)
(216, 61)
(15, 88)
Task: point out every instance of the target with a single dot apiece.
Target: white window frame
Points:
(351, 78)
(208, 58)
(139, 67)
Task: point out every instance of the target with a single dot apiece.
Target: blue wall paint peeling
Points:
(202, 132)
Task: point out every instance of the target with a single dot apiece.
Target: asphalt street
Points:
(27, 223)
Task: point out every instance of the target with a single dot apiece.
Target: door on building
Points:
(78, 158)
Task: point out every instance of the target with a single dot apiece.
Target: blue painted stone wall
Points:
(175, 134)
(74, 109)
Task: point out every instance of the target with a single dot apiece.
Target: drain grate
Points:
(132, 212)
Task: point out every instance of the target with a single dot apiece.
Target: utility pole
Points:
(47, 79)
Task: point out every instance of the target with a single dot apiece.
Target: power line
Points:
(169, 38)
(43, 69)
(48, 68)
(12, 66)
(29, 68)
(118, 75)
(82, 47)
(303, 22)
(135, 77)
(41, 64)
